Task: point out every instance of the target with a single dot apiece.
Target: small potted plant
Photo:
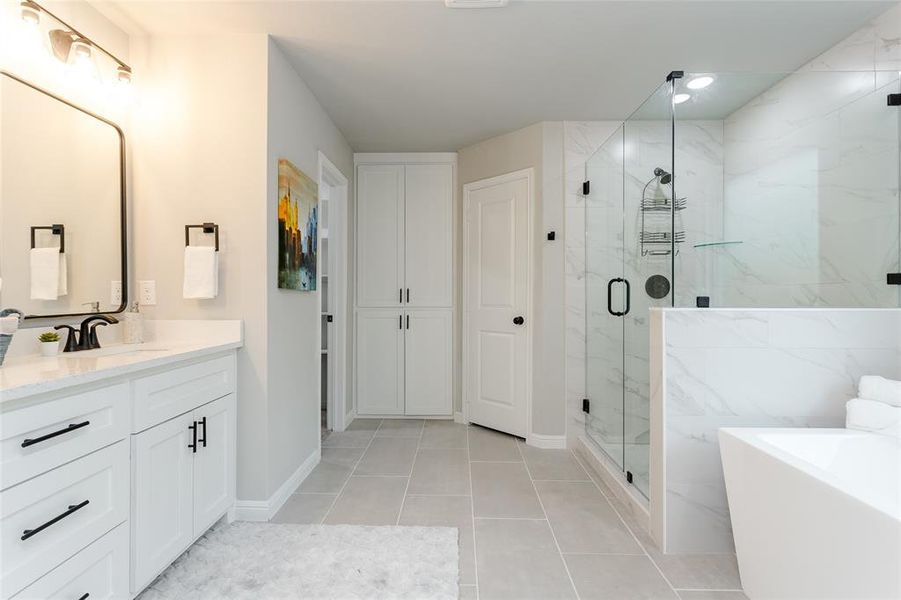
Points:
(49, 343)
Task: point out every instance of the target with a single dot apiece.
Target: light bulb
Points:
(680, 98)
(123, 75)
(81, 49)
(699, 83)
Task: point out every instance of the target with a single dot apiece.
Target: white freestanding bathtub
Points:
(816, 513)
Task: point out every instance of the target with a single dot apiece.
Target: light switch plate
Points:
(115, 293)
(147, 292)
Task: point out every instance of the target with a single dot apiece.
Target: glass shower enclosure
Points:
(751, 190)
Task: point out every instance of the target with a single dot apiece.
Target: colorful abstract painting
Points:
(298, 228)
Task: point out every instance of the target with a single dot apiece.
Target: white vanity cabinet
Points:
(106, 480)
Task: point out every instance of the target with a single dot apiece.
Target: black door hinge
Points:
(586, 188)
(586, 405)
(893, 278)
(894, 99)
(329, 318)
(675, 75)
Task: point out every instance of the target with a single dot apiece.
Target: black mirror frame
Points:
(123, 233)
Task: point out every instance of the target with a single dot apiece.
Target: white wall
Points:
(539, 146)
(298, 127)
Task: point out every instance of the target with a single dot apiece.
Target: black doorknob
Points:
(518, 320)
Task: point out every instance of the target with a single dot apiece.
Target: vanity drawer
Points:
(59, 513)
(100, 570)
(160, 397)
(40, 437)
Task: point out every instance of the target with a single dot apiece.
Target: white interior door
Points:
(428, 202)
(380, 362)
(497, 301)
(428, 345)
(380, 235)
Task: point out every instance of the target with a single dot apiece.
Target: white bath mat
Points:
(263, 561)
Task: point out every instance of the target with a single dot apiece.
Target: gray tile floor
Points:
(532, 523)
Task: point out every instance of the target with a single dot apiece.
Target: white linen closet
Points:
(404, 284)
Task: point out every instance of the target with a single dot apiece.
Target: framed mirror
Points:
(62, 206)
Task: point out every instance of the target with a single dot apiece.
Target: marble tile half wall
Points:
(715, 368)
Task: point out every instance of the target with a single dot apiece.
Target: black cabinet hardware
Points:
(329, 318)
(193, 444)
(85, 597)
(518, 320)
(408, 295)
(586, 405)
(408, 321)
(203, 441)
(551, 236)
(72, 508)
(43, 438)
(586, 188)
(400, 295)
(400, 321)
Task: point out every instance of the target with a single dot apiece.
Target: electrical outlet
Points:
(147, 293)
(115, 293)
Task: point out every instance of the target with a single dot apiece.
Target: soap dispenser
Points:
(133, 326)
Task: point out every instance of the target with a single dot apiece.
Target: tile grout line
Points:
(346, 481)
(629, 529)
(472, 509)
(403, 501)
(549, 526)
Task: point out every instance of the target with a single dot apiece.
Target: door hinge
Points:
(586, 188)
(675, 75)
(894, 99)
(586, 405)
(329, 318)
(893, 278)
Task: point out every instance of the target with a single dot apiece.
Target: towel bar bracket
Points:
(55, 229)
(206, 228)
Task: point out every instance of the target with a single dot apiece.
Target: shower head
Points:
(665, 177)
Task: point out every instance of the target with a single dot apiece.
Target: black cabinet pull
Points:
(72, 508)
(408, 321)
(44, 438)
(408, 295)
(400, 321)
(85, 597)
(400, 295)
(203, 441)
(193, 444)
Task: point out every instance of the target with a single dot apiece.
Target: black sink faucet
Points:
(86, 336)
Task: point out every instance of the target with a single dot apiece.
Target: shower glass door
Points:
(629, 245)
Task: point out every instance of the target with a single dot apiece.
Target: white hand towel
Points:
(201, 272)
(63, 275)
(880, 389)
(869, 415)
(45, 275)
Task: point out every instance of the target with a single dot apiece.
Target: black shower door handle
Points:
(610, 310)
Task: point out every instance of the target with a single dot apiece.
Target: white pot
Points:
(49, 348)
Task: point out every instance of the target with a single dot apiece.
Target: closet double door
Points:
(404, 317)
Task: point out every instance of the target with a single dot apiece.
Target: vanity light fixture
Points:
(699, 83)
(70, 45)
(31, 12)
(680, 98)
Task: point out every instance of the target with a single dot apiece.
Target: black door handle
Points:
(628, 297)
(518, 320)
(610, 310)
(193, 444)
(72, 508)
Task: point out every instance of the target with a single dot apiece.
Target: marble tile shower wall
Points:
(750, 368)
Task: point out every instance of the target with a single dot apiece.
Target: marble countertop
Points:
(170, 342)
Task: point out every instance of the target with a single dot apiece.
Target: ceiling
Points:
(417, 76)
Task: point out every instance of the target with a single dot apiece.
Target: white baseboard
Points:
(546, 442)
(460, 418)
(264, 510)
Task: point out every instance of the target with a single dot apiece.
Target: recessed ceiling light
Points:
(699, 83)
(475, 3)
(680, 98)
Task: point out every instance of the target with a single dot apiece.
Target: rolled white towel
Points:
(879, 389)
(876, 417)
